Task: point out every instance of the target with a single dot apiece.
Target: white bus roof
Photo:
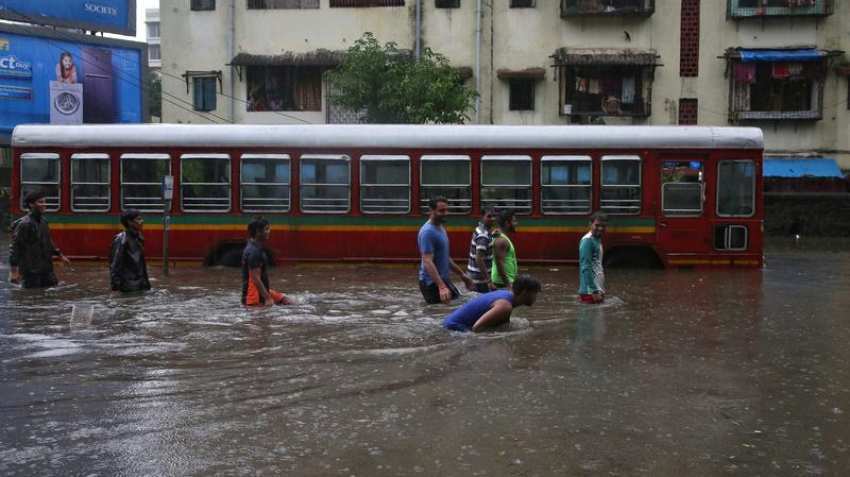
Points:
(388, 136)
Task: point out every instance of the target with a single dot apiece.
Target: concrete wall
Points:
(511, 39)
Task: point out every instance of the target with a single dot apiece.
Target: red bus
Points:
(681, 196)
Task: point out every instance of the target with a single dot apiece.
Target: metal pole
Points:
(418, 40)
(166, 223)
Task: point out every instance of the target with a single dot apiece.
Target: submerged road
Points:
(682, 372)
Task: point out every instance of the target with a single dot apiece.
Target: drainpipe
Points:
(418, 40)
(232, 55)
(478, 61)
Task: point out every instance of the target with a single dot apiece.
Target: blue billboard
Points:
(57, 81)
(115, 16)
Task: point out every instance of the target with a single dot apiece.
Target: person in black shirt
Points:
(31, 251)
(128, 271)
(255, 279)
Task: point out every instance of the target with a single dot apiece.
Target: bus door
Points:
(682, 228)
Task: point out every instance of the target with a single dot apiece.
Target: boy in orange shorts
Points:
(255, 280)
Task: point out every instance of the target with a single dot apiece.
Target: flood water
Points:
(683, 372)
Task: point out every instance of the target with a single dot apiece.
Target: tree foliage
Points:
(389, 86)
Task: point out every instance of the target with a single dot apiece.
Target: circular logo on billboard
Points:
(66, 103)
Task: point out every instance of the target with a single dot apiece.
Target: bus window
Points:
(385, 184)
(565, 184)
(681, 188)
(90, 179)
(506, 182)
(325, 183)
(736, 185)
(620, 192)
(40, 171)
(265, 182)
(447, 176)
(141, 181)
(205, 182)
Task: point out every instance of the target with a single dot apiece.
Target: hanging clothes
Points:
(628, 96)
(593, 86)
(745, 73)
(780, 71)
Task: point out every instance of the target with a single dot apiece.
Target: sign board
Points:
(168, 187)
(45, 79)
(114, 16)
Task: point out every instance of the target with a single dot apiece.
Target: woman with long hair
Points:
(66, 71)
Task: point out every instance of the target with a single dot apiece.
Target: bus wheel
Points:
(632, 257)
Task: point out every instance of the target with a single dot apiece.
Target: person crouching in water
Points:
(128, 271)
(255, 279)
(493, 309)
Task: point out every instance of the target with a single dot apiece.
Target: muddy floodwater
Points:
(682, 372)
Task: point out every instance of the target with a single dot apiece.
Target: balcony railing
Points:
(779, 8)
(602, 8)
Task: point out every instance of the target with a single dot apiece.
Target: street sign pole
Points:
(167, 195)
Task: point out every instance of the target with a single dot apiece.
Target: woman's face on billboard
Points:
(67, 62)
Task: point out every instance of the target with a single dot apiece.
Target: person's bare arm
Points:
(431, 270)
(255, 274)
(499, 313)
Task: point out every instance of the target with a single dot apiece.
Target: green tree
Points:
(389, 86)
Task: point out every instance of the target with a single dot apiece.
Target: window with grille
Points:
(201, 5)
(566, 184)
(447, 3)
(205, 182)
(281, 4)
(90, 179)
(204, 96)
(385, 184)
(447, 176)
(521, 94)
(41, 172)
(506, 183)
(620, 192)
(265, 182)
(325, 183)
(773, 90)
(141, 181)
(365, 3)
(284, 88)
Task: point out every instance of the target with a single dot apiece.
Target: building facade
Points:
(774, 64)
(153, 38)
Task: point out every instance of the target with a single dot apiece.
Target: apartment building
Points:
(153, 38)
(776, 64)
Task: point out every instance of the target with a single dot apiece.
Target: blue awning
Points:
(804, 54)
(789, 167)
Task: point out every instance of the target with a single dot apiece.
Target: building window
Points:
(41, 172)
(762, 8)
(200, 5)
(621, 184)
(366, 3)
(325, 183)
(205, 182)
(565, 184)
(154, 53)
(141, 181)
(736, 184)
(284, 88)
(506, 183)
(681, 188)
(607, 7)
(522, 3)
(385, 184)
(449, 177)
(521, 94)
(777, 90)
(204, 95)
(281, 4)
(607, 91)
(153, 30)
(447, 3)
(90, 179)
(265, 182)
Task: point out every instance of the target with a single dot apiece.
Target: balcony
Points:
(607, 8)
(779, 8)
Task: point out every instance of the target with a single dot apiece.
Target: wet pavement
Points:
(682, 372)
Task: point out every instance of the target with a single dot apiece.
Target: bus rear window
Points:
(141, 181)
(40, 172)
(506, 183)
(736, 184)
(447, 176)
(90, 179)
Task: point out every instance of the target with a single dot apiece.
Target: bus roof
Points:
(388, 136)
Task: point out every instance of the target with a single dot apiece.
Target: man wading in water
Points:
(31, 251)
(128, 271)
(434, 248)
(494, 308)
(591, 275)
(481, 252)
(504, 269)
(255, 280)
